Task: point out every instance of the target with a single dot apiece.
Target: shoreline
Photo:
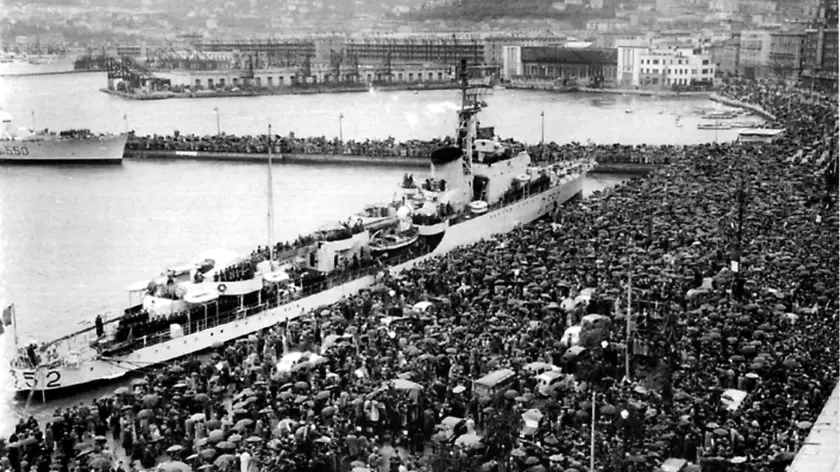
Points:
(346, 159)
(288, 90)
(643, 93)
(746, 106)
(60, 72)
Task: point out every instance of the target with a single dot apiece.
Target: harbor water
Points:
(72, 237)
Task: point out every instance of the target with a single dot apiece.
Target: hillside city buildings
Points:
(661, 44)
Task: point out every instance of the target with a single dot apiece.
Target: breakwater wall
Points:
(293, 90)
(346, 159)
(542, 86)
(60, 72)
(747, 106)
(332, 159)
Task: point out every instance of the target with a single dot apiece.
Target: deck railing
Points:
(202, 323)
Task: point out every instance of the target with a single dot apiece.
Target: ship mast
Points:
(470, 107)
(270, 206)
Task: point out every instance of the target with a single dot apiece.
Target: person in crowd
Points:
(729, 364)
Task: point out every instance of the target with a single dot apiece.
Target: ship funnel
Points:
(447, 164)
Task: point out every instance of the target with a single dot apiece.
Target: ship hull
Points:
(105, 150)
(498, 221)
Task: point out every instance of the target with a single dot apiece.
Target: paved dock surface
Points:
(821, 451)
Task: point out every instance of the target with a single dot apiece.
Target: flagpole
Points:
(270, 206)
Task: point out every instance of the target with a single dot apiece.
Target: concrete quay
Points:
(747, 106)
(286, 90)
(821, 450)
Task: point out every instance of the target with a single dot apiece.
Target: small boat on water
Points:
(721, 115)
(627, 110)
(715, 125)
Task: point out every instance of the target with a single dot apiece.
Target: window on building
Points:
(704, 71)
(655, 81)
(656, 62)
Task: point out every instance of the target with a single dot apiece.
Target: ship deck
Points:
(80, 341)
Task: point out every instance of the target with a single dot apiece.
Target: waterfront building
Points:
(511, 62)
(785, 58)
(725, 55)
(819, 55)
(665, 68)
(754, 53)
(494, 46)
(318, 74)
(590, 66)
(628, 52)
(434, 49)
(273, 51)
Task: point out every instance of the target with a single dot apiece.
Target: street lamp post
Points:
(218, 123)
(340, 128)
(629, 312)
(592, 437)
(542, 135)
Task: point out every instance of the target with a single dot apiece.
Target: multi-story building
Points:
(785, 58)
(756, 7)
(672, 68)
(754, 55)
(134, 51)
(627, 72)
(274, 51)
(610, 40)
(511, 62)
(725, 56)
(607, 25)
(416, 49)
(495, 46)
(580, 66)
(819, 51)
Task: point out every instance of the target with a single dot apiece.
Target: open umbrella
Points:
(207, 453)
(151, 400)
(254, 440)
(175, 466)
(225, 445)
(175, 448)
(224, 460)
(234, 438)
(99, 463)
(197, 417)
(215, 436)
(243, 424)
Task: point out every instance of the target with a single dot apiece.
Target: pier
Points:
(820, 451)
(302, 89)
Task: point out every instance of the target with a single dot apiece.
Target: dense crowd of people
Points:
(291, 144)
(730, 252)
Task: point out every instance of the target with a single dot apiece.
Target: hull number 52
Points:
(53, 379)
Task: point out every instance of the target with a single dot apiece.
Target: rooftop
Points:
(569, 56)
